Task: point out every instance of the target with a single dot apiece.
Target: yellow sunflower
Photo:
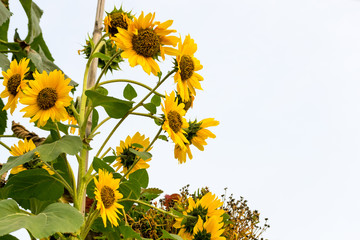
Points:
(127, 158)
(72, 121)
(107, 195)
(143, 42)
(188, 104)
(174, 122)
(116, 19)
(210, 230)
(22, 148)
(47, 97)
(206, 207)
(186, 77)
(196, 134)
(14, 82)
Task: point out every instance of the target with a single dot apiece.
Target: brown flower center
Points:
(13, 83)
(107, 196)
(175, 121)
(46, 98)
(117, 20)
(186, 67)
(146, 43)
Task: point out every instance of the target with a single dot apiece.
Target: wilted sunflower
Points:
(174, 122)
(210, 230)
(47, 97)
(116, 19)
(107, 195)
(196, 134)
(186, 77)
(14, 82)
(143, 42)
(22, 148)
(127, 158)
(206, 207)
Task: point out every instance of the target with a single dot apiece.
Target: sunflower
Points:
(22, 148)
(210, 230)
(14, 82)
(186, 77)
(47, 97)
(106, 195)
(127, 158)
(206, 207)
(143, 42)
(196, 134)
(116, 19)
(72, 121)
(188, 104)
(174, 122)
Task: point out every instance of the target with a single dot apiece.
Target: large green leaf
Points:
(166, 235)
(129, 92)
(142, 155)
(131, 190)
(150, 107)
(4, 34)
(4, 14)
(35, 183)
(8, 237)
(3, 118)
(57, 217)
(4, 61)
(48, 152)
(151, 193)
(114, 107)
(141, 176)
(33, 12)
(100, 164)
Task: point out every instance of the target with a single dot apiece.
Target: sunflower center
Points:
(46, 98)
(175, 121)
(117, 20)
(13, 83)
(107, 196)
(203, 235)
(186, 67)
(128, 158)
(146, 43)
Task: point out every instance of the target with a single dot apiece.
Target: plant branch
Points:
(5, 146)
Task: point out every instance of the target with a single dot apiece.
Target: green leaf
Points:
(129, 189)
(8, 237)
(4, 62)
(102, 91)
(166, 235)
(48, 152)
(35, 183)
(101, 56)
(141, 176)
(4, 36)
(151, 193)
(129, 92)
(109, 159)
(129, 233)
(4, 13)
(156, 100)
(150, 107)
(142, 155)
(95, 119)
(114, 107)
(3, 118)
(57, 217)
(100, 164)
(33, 12)
(163, 137)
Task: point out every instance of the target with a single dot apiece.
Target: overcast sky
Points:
(281, 76)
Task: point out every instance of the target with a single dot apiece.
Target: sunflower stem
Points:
(133, 109)
(9, 51)
(99, 125)
(57, 129)
(8, 136)
(89, 221)
(106, 67)
(5, 146)
(146, 115)
(131, 81)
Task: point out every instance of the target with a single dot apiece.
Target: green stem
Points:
(61, 179)
(9, 51)
(145, 115)
(57, 129)
(5, 146)
(75, 112)
(89, 221)
(138, 159)
(133, 109)
(99, 125)
(131, 81)
(106, 67)
(9, 136)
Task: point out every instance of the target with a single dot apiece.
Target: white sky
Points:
(281, 76)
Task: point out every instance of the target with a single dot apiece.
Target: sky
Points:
(281, 76)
